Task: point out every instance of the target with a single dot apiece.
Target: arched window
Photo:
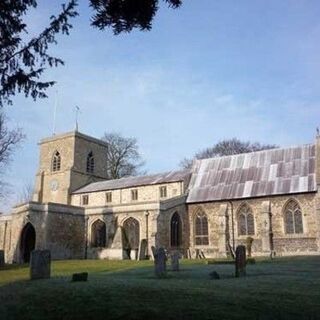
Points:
(131, 234)
(90, 163)
(176, 230)
(56, 162)
(245, 221)
(201, 229)
(293, 218)
(98, 234)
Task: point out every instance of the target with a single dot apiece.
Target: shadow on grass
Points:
(134, 292)
(13, 266)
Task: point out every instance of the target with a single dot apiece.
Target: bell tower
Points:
(67, 162)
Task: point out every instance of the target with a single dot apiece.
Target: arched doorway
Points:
(176, 230)
(131, 236)
(28, 242)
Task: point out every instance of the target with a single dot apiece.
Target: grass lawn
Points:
(287, 288)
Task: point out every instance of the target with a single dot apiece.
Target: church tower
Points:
(68, 162)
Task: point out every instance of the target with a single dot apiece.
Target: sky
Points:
(208, 71)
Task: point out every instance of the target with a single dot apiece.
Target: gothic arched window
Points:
(131, 234)
(293, 218)
(245, 221)
(176, 230)
(90, 163)
(98, 234)
(201, 229)
(56, 162)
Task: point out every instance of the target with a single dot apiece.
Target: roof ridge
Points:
(260, 151)
(158, 178)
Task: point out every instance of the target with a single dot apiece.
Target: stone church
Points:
(269, 198)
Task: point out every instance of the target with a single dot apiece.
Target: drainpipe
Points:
(5, 235)
(86, 242)
(232, 225)
(271, 233)
(147, 233)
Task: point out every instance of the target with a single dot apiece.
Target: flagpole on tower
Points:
(77, 115)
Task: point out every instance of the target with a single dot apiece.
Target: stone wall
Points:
(58, 228)
(154, 224)
(5, 236)
(114, 222)
(163, 224)
(220, 226)
(149, 193)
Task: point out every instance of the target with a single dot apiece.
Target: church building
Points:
(268, 198)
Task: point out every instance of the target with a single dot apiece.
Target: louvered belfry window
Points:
(293, 218)
(56, 162)
(90, 163)
(245, 221)
(201, 229)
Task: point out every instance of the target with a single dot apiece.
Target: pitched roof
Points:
(171, 176)
(256, 174)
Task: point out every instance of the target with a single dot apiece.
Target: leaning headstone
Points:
(175, 261)
(40, 264)
(142, 250)
(241, 261)
(77, 277)
(1, 258)
(160, 267)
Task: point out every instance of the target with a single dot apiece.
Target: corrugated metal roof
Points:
(256, 174)
(129, 182)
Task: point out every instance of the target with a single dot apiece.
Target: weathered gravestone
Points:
(83, 276)
(214, 275)
(241, 261)
(1, 258)
(153, 249)
(40, 264)
(175, 261)
(142, 250)
(160, 259)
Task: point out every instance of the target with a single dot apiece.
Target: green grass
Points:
(287, 288)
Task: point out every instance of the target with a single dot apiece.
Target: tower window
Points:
(85, 200)
(134, 194)
(90, 163)
(163, 192)
(56, 162)
(109, 197)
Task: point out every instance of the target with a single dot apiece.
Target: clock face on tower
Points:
(54, 185)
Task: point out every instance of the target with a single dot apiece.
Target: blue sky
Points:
(208, 71)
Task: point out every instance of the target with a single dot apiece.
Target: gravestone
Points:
(240, 261)
(160, 259)
(175, 261)
(1, 258)
(214, 275)
(153, 249)
(40, 264)
(142, 249)
(76, 277)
